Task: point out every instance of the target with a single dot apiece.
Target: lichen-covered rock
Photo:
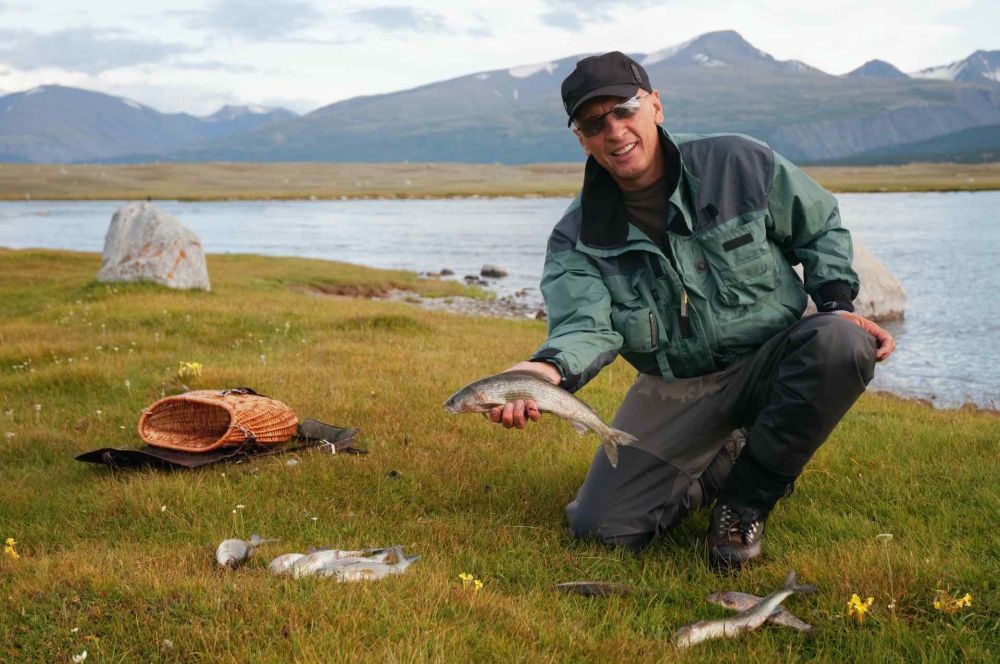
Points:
(147, 244)
(881, 297)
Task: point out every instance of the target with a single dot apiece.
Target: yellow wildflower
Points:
(477, 585)
(857, 609)
(8, 548)
(945, 603)
(188, 370)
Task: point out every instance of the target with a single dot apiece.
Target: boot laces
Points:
(746, 524)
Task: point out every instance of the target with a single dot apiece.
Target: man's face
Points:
(628, 149)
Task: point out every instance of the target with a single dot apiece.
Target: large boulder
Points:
(147, 244)
(881, 297)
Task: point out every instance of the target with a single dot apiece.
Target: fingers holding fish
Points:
(515, 413)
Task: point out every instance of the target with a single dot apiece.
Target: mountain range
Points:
(717, 82)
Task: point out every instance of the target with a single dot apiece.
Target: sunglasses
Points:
(593, 126)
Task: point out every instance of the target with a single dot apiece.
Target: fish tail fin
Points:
(612, 439)
(792, 583)
(257, 540)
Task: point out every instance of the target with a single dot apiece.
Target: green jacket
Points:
(747, 215)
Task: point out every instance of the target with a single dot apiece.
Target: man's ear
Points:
(657, 107)
(579, 137)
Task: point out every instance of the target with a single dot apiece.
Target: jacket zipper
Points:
(654, 338)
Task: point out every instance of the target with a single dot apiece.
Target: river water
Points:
(943, 247)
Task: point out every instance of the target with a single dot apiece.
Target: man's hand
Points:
(884, 343)
(517, 413)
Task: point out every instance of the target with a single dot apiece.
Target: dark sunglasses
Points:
(593, 126)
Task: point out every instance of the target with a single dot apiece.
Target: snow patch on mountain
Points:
(706, 60)
(525, 71)
(663, 54)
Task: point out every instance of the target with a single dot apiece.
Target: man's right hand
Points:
(517, 413)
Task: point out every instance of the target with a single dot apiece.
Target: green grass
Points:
(127, 558)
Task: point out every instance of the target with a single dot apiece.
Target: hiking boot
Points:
(735, 535)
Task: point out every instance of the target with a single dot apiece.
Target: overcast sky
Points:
(303, 54)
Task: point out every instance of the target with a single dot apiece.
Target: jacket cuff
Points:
(833, 296)
(548, 355)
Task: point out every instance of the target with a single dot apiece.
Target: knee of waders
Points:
(845, 348)
(592, 523)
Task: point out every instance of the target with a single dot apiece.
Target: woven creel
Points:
(203, 420)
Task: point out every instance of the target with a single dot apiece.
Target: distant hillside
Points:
(980, 144)
(53, 123)
(980, 67)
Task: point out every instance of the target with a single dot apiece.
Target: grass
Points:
(221, 181)
(121, 563)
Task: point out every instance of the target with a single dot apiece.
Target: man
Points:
(678, 255)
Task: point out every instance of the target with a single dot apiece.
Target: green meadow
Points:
(121, 564)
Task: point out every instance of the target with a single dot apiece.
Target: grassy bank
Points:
(121, 564)
(214, 181)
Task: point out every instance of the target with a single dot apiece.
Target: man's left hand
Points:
(884, 343)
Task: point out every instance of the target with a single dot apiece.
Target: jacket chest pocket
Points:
(740, 260)
(632, 313)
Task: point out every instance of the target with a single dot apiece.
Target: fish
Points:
(234, 552)
(283, 563)
(319, 560)
(362, 569)
(596, 588)
(744, 601)
(749, 620)
(482, 395)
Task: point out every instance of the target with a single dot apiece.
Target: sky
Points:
(304, 54)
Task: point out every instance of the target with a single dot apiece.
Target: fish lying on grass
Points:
(484, 394)
(704, 630)
(234, 552)
(365, 569)
(596, 588)
(343, 566)
(283, 563)
(745, 601)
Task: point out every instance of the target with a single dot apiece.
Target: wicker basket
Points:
(203, 420)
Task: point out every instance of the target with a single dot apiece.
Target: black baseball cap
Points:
(613, 74)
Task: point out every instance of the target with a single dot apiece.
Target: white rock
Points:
(881, 297)
(147, 244)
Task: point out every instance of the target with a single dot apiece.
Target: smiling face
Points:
(628, 149)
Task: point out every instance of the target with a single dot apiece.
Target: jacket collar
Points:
(605, 225)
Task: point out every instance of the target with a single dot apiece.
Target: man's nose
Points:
(613, 127)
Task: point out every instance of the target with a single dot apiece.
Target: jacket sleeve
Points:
(581, 340)
(805, 223)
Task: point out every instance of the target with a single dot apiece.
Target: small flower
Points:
(188, 370)
(79, 658)
(9, 435)
(884, 537)
(477, 585)
(163, 508)
(315, 518)
(945, 603)
(263, 359)
(9, 550)
(74, 630)
(466, 579)
(38, 407)
(239, 507)
(857, 609)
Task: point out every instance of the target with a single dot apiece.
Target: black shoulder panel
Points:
(566, 232)
(735, 174)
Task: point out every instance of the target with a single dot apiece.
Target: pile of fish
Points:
(340, 565)
(755, 612)
(510, 386)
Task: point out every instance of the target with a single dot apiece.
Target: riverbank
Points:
(121, 564)
(324, 181)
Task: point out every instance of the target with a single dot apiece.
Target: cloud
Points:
(253, 19)
(212, 65)
(573, 15)
(397, 18)
(88, 50)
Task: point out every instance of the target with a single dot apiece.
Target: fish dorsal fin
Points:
(579, 427)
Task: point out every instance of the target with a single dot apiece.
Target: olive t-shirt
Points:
(647, 209)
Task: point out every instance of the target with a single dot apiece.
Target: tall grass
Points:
(121, 563)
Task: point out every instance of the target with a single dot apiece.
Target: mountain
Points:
(53, 123)
(979, 144)
(980, 67)
(715, 83)
(877, 69)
